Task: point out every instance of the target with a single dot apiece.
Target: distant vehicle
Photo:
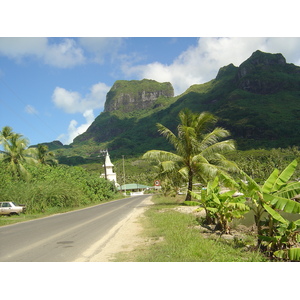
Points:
(11, 208)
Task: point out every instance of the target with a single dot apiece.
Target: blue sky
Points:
(53, 88)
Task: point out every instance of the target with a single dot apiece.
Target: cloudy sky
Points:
(53, 88)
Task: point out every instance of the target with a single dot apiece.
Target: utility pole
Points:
(104, 153)
(124, 174)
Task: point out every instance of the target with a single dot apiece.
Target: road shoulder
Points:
(123, 237)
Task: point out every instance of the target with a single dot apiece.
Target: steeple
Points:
(108, 163)
(108, 169)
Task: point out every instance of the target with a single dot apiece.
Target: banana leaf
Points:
(269, 183)
(216, 199)
(251, 186)
(239, 206)
(275, 215)
(284, 204)
(212, 209)
(285, 175)
(290, 254)
(290, 190)
(276, 181)
(228, 194)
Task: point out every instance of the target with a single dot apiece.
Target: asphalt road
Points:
(65, 237)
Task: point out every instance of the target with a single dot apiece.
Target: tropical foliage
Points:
(44, 156)
(31, 176)
(221, 206)
(16, 152)
(275, 233)
(198, 149)
(57, 186)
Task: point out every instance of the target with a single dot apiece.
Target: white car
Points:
(11, 208)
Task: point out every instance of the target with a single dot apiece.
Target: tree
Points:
(44, 156)
(16, 152)
(5, 134)
(198, 149)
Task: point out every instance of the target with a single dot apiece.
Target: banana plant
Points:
(221, 208)
(276, 194)
(282, 236)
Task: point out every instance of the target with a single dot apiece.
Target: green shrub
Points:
(59, 186)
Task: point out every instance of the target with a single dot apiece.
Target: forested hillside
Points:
(258, 102)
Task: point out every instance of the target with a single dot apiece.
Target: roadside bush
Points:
(38, 197)
(59, 186)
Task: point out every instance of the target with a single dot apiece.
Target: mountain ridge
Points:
(258, 102)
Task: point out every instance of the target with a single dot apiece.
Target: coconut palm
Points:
(44, 156)
(198, 148)
(5, 134)
(16, 152)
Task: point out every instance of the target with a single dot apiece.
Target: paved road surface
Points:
(65, 237)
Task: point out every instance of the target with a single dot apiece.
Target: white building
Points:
(108, 169)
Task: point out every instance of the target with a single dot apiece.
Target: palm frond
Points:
(161, 155)
(169, 166)
(220, 147)
(213, 138)
(204, 121)
(167, 133)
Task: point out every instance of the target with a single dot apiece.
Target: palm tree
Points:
(198, 149)
(44, 156)
(5, 134)
(16, 152)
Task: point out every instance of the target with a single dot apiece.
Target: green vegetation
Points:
(198, 150)
(122, 91)
(275, 233)
(258, 102)
(16, 153)
(31, 176)
(221, 207)
(276, 236)
(175, 238)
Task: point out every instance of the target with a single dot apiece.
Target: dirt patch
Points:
(190, 210)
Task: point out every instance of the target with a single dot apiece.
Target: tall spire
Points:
(108, 169)
(108, 163)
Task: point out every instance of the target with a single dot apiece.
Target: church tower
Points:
(108, 169)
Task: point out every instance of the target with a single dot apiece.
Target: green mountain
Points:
(259, 102)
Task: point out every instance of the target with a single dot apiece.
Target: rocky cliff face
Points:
(262, 73)
(258, 102)
(127, 96)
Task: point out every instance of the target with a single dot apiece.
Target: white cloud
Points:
(201, 63)
(66, 53)
(74, 130)
(72, 102)
(63, 55)
(31, 110)
(101, 46)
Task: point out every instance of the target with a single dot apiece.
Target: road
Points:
(72, 236)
